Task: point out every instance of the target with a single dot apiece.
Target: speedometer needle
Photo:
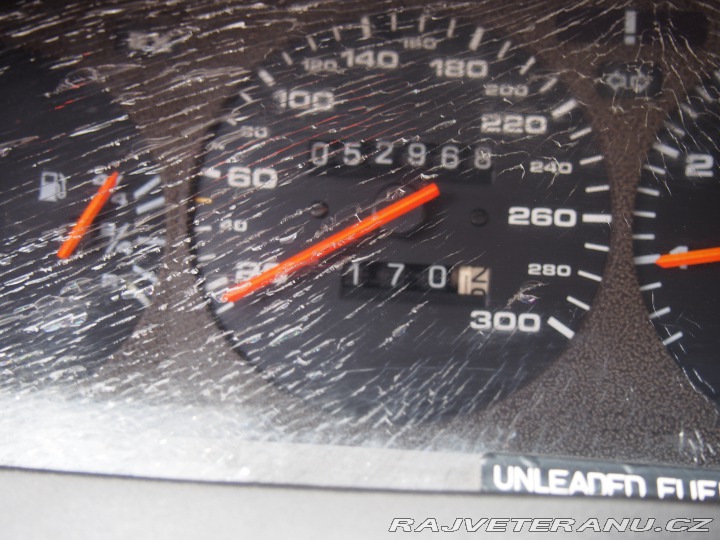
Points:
(88, 216)
(687, 258)
(322, 249)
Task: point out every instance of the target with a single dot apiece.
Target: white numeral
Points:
(549, 270)
(253, 132)
(319, 154)
(699, 166)
(456, 69)
(298, 99)
(313, 65)
(504, 321)
(450, 157)
(532, 124)
(244, 270)
(352, 154)
(551, 166)
(506, 90)
(542, 217)
(245, 177)
(384, 155)
(371, 59)
(416, 154)
(233, 225)
(483, 158)
(398, 267)
(437, 276)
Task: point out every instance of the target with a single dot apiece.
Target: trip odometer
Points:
(402, 214)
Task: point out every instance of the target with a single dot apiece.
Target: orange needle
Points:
(88, 216)
(697, 256)
(338, 240)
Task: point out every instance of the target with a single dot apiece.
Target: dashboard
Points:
(361, 245)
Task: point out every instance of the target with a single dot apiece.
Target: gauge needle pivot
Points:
(88, 216)
(322, 249)
(688, 258)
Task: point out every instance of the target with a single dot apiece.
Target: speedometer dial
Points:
(677, 239)
(403, 213)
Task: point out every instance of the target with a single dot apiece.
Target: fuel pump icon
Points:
(53, 186)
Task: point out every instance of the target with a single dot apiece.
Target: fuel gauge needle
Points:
(688, 258)
(88, 216)
(323, 248)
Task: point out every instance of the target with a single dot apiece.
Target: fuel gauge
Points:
(81, 219)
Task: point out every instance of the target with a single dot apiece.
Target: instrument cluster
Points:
(444, 227)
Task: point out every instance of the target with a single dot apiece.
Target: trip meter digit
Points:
(405, 213)
(81, 221)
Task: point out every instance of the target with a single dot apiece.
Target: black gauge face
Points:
(77, 276)
(451, 304)
(677, 237)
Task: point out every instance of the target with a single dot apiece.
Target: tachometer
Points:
(451, 302)
(677, 238)
(81, 212)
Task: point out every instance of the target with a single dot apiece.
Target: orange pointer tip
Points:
(323, 248)
(88, 216)
(689, 258)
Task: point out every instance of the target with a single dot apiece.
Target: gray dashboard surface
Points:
(40, 505)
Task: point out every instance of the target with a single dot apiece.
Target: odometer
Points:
(454, 301)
